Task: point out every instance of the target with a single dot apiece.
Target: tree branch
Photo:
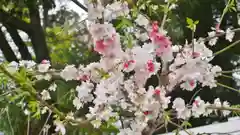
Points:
(37, 36)
(6, 49)
(25, 54)
(6, 18)
(227, 48)
(80, 5)
(223, 108)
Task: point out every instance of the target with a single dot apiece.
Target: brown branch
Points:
(80, 5)
(25, 54)
(6, 18)
(6, 49)
(37, 36)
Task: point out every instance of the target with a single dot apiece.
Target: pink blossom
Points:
(45, 62)
(83, 78)
(157, 91)
(100, 46)
(150, 66)
(160, 39)
(126, 64)
(217, 27)
(155, 26)
(196, 54)
(147, 112)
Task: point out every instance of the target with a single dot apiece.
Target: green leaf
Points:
(19, 95)
(196, 22)
(189, 21)
(186, 124)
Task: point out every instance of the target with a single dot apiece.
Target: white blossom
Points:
(45, 95)
(217, 102)
(27, 64)
(53, 87)
(60, 127)
(43, 67)
(47, 77)
(77, 103)
(226, 112)
(184, 114)
(95, 11)
(214, 39)
(179, 104)
(26, 112)
(96, 123)
(69, 73)
(198, 108)
(84, 90)
(229, 35)
(12, 67)
(173, 6)
(44, 110)
(142, 20)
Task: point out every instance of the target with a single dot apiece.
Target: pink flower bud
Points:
(195, 54)
(147, 112)
(150, 66)
(44, 62)
(157, 92)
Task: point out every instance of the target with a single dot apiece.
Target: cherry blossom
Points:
(69, 73)
(44, 66)
(53, 87)
(141, 20)
(214, 39)
(199, 107)
(45, 95)
(229, 35)
(60, 127)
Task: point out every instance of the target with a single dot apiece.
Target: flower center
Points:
(147, 112)
(157, 92)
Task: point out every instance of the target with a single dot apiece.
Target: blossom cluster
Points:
(117, 83)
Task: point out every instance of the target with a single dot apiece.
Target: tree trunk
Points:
(6, 49)
(37, 35)
(19, 43)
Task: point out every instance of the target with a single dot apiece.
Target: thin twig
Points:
(6, 93)
(223, 108)
(28, 126)
(49, 114)
(224, 12)
(230, 71)
(165, 16)
(80, 5)
(220, 34)
(228, 87)
(193, 41)
(180, 127)
(194, 95)
(9, 120)
(227, 76)
(226, 48)
(160, 127)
